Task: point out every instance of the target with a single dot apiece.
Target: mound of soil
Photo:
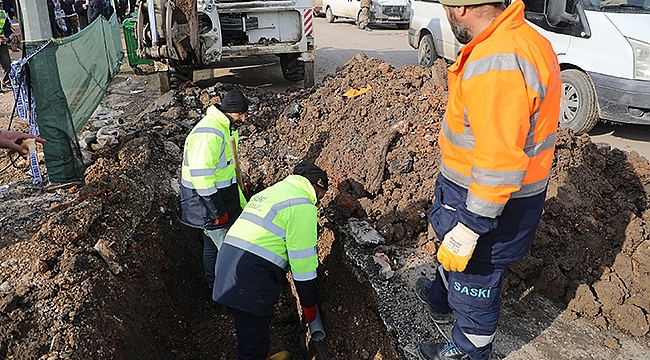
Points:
(104, 270)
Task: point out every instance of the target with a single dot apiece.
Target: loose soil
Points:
(104, 270)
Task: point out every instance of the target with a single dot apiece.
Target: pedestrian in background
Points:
(70, 21)
(276, 233)
(210, 196)
(497, 143)
(365, 14)
(80, 8)
(6, 34)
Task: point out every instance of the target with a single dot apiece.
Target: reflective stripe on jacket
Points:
(208, 172)
(279, 224)
(498, 135)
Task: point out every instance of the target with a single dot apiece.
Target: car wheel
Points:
(403, 26)
(578, 106)
(360, 23)
(329, 16)
(426, 51)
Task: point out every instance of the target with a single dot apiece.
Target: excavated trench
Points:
(104, 270)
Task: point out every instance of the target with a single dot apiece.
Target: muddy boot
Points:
(422, 288)
(440, 351)
(282, 355)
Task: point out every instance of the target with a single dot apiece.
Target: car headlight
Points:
(641, 52)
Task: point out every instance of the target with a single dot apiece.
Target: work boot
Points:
(422, 288)
(440, 351)
(282, 355)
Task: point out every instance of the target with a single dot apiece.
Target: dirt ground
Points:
(104, 270)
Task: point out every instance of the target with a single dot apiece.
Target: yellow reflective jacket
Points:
(498, 136)
(209, 187)
(279, 224)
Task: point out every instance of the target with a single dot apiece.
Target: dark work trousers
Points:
(474, 296)
(5, 61)
(253, 335)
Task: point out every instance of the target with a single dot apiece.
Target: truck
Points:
(182, 36)
(603, 47)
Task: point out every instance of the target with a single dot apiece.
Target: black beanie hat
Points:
(313, 173)
(234, 102)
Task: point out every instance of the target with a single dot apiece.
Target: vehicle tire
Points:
(329, 16)
(579, 105)
(426, 51)
(179, 75)
(292, 68)
(403, 26)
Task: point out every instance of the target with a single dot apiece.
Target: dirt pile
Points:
(105, 270)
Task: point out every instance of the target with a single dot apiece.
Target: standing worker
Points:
(497, 142)
(210, 197)
(365, 14)
(6, 34)
(276, 232)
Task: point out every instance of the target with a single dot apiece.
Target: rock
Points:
(632, 319)
(9, 302)
(173, 113)
(381, 267)
(292, 110)
(364, 233)
(108, 255)
(612, 343)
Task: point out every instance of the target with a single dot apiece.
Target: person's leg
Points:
(212, 241)
(217, 236)
(5, 62)
(439, 291)
(209, 258)
(474, 295)
(253, 335)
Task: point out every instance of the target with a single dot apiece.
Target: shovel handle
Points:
(235, 159)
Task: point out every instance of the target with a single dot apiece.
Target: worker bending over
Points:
(276, 232)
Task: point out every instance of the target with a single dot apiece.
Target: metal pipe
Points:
(316, 327)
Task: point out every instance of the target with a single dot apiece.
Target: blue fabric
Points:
(475, 297)
(26, 104)
(474, 294)
(246, 281)
(253, 335)
(510, 235)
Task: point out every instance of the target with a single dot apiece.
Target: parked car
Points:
(603, 48)
(381, 11)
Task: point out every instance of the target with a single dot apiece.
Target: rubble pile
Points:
(104, 270)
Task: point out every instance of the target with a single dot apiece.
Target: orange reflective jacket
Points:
(498, 135)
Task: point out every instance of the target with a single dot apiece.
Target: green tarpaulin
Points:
(69, 78)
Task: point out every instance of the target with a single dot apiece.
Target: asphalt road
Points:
(337, 42)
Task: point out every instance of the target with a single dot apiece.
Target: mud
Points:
(104, 270)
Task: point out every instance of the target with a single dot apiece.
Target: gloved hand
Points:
(222, 220)
(457, 248)
(309, 314)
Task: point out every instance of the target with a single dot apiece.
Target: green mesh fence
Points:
(69, 78)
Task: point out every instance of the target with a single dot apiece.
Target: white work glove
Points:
(457, 248)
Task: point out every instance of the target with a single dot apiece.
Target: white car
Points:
(381, 11)
(603, 48)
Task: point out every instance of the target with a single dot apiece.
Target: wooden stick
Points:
(235, 159)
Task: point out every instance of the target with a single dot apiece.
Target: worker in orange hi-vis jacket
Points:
(497, 142)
